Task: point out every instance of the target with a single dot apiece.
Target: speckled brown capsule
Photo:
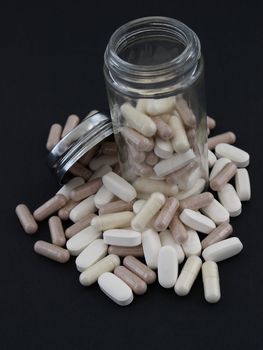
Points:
(115, 207)
(218, 234)
(223, 177)
(26, 219)
(126, 251)
(52, 251)
(79, 170)
(197, 201)
(54, 136)
(166, 214)
(50, 207)
(178, 230)
(226, 137)
(86, 190)
(64, 212)
(137, 285)
(79, 225)
(71, 123)
(140, 269)
(56, 231)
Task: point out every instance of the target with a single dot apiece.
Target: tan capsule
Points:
(26, 219)
(54, 136)
(84, 160)
(151, 159)
(79, 225)
(149, 186)
(64, 212)
(163, 130)
(50, 207)
(185, 112)
(197, 201)
(141, 142)
(227, 137)
(71, 123)
(136, 156)
(223, 177)
(178, 230)
(109, 148)
(79, 170)
(115, 207)
(137, 285)
(221, 232)
(140, 269)
(180, 175)
(166, 214)
(52, 251)
(211, 123)
(143, 170)
(115, 220)
(85, 190)
(56, 231)
(125, 251)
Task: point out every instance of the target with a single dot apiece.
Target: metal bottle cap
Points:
(91, 131)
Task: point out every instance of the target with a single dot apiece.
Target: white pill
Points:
(197, 221)
(94, 252)
(197, 188)
(211, 159)
(167, 267)
(192, 246)
(180, 141)
(97, 163)
(242, 184)
(82, 239)
(236, 155)
(216, 212)
(150, 208)
(103, 196)
(149, 186)
(230, 200)
(160, 106)
(167, 240)
(112, 220)
(85, 207)
(151, 245)
(211, 281)
(138, 120)
(105, 169)
(122, 238)
(188, 275)
(176, 162)
(218, 166)
(137, 206)
(120, 187)
(115, 289)
(91, 274)
(163, 149)
(223, 250)
(70, 185)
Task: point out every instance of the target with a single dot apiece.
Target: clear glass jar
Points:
(155, 84)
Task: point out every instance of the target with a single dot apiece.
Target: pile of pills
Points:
(126, 235)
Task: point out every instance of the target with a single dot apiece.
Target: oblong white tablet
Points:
(223, 250)
(151, 245)
(242, 184)
(82, 239)
(85, 207)
(91, 254)
(196, 189)
(192, 246)
(70, 185)
(167, 240)
(230, 200)
(197, 221)
(120, 187)
(122, 237)
(235, 154)
(167, 267)
(103, 196)
(163, 149)
(115, 289)
(216, 212)
(211, 159)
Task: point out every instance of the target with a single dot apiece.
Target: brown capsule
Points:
(197, 201)
(26, 219)
(52, 251)
(71, 123)
(86, 190)
(185, 112)
(64, 212)
(115, 207)
(143, 169)
(227, 137)
(79, 170)
(109, 148)
(140, 269)
(116, 169)
(223, 177)
(166, 214)
(125, 251)
(53, 136)
(178, 230)
(191, 135)
(221, 232)
(56, 231)
(152, 159)
(137, 285)
(211, 123)
(163, 130)
(141, 142)
(137, 156)
(50, 207)
(79, 225)
(84, 160)
(180, 175)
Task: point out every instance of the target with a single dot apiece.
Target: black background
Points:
(51, 66)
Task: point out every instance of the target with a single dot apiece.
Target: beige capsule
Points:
(126, 251)
(136, 156)
(115, 220)
(211, 123)
(116, 206)
(109, 148)
(185, 112)
(71, 123)
(50, 207)
(141, 142)
(137, 285)
(86, 158)
(140, 269)
(53, 136)
(166, 214)
(26, 219)
(178, 230)
(227, 137)
(221, 232)
(197, 201)
(64, 212)
(56, 231)
(79, 225)
(86, 190)
(79, 170)
(164, 131)
(223, 177)
(151, 159)
(52, 251)
(149, 186)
